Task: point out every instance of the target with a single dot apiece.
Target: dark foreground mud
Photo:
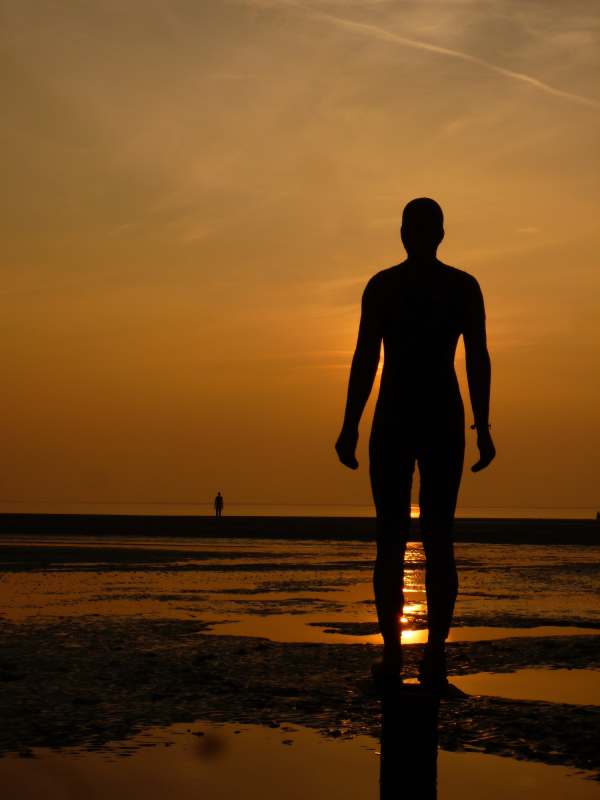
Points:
(90, 682)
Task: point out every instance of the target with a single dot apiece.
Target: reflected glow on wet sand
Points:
(280, 588)
(579, 686)
(258, 763)
(283, 628)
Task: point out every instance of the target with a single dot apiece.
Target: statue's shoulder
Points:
(384, 279)
(461, 279)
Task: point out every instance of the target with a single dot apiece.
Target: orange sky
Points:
(196, 193)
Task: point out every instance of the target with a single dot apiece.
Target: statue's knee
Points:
(390, 552)
(441, 568)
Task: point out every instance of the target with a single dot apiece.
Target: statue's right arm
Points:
(362, 375)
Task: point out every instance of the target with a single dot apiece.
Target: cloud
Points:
(376, 32)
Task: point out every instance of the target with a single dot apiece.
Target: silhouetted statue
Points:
(218, 504)
(418, 308)
(409, 743)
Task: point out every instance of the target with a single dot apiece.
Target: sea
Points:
(244, 508)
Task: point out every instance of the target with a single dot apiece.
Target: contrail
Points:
(394, 38)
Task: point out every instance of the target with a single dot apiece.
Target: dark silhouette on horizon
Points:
(418, 309)
(218, 503)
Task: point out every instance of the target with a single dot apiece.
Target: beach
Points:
(112, 646)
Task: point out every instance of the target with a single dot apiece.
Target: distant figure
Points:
(419, 309)
(219, 505)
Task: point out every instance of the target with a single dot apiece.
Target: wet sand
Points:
(86, 682)
(219, 761)
(102, 641)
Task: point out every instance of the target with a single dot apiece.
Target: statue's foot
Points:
(433, 675)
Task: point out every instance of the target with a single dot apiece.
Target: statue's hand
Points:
(345, 447)
(487, 451)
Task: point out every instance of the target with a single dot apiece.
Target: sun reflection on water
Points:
(410, 636)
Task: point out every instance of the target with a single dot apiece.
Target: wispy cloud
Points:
(376, 32)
